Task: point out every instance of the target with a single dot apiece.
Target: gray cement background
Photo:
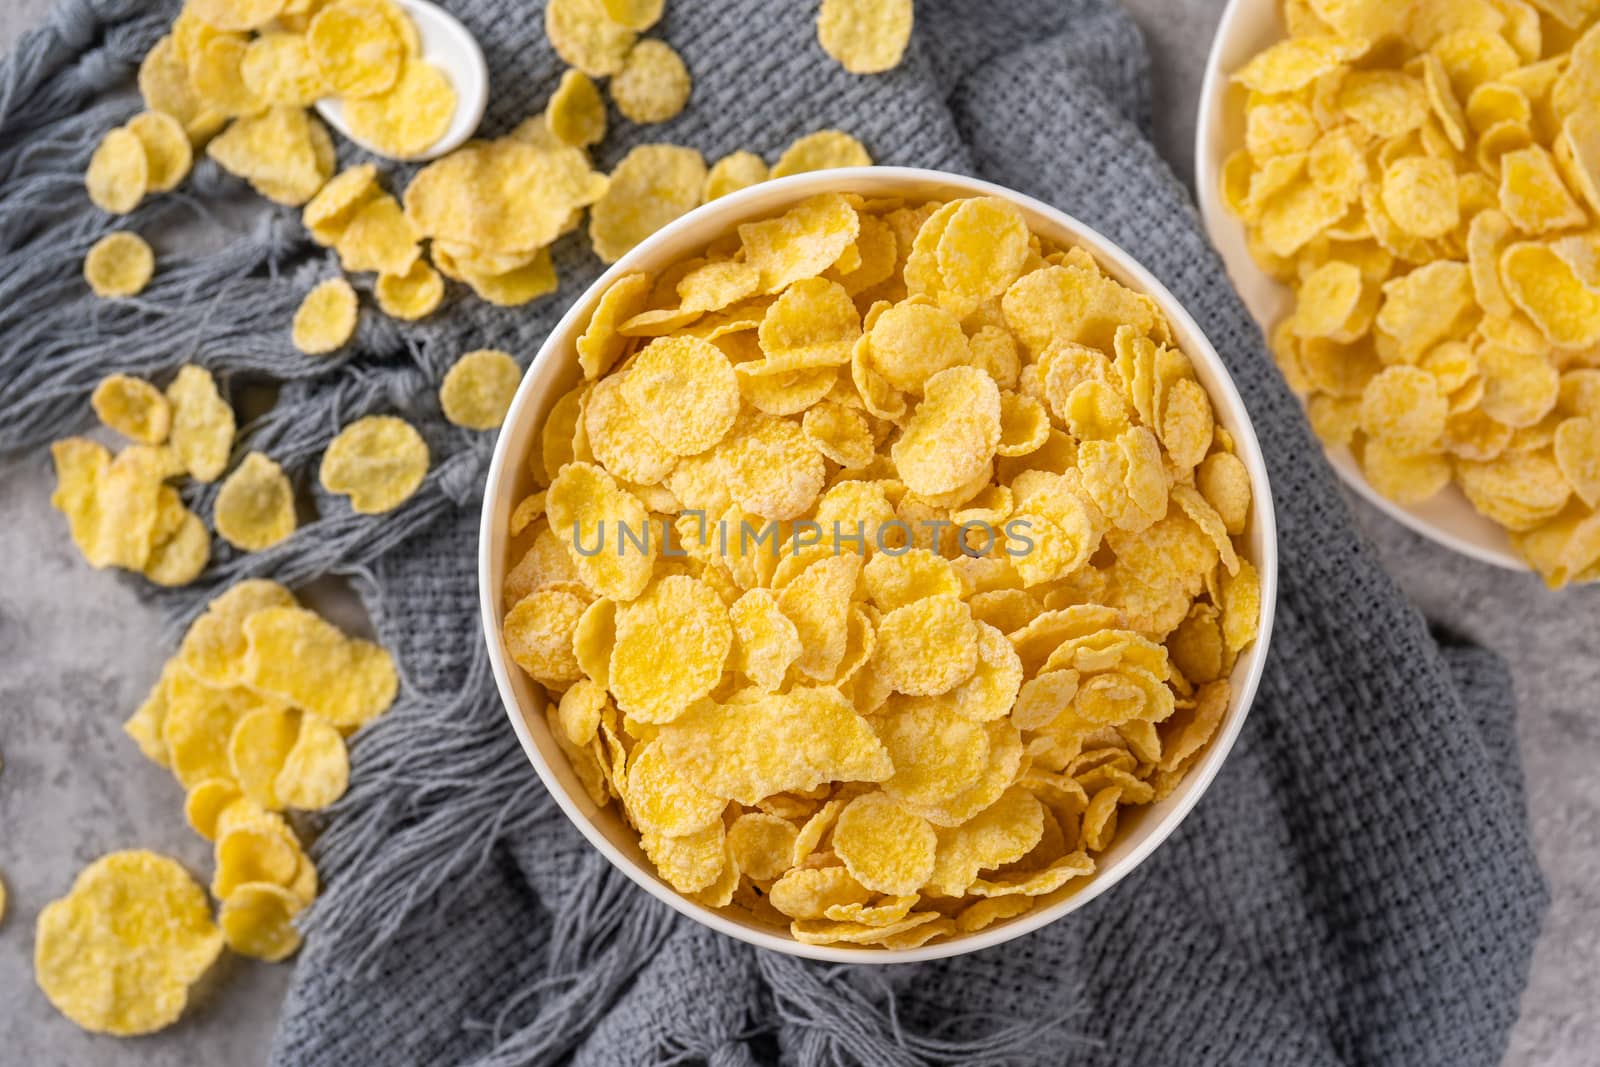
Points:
(77, 653)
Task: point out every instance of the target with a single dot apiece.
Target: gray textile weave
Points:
(1357, 886)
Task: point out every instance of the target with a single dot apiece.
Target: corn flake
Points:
(254, 508)
(378, 462)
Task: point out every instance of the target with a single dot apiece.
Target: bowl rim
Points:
(1210, 147)
(1225, 396)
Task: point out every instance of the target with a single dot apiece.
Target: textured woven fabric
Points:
(1356, 887)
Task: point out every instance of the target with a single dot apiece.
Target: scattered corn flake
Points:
(357, 49)
(257, 920)
(823, 150)
(410, 117)
(654, 184)
(478, 388)
(734, 171)
(414, 295)
(316, 770)
(326, 318)
(119, 953)
(254, 508)
(284, 154)
(167, 151)
(133, 408)
(295, 656)
(585, 36)
(278, 68)
(119, 172)
(865, 36)
(378, 462)
(653, 84)
(576, 113)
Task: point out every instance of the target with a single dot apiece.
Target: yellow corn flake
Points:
(295, 656)
(378, 462)
(884, 847)
(331, 210)
(584, 503)
(653, 185)
(775, 743)
(357, 49)
(414, 295)
(671, 645)
(953, 433)
(478, 389)
(769, 466)
(326, 318)
(1577, 453)
(254, 508)
(167, 151)
(926, 647)
(1532, 194)
(408, 118)
(118, 954)
(282, 152)
(685, 391)
(133, 408)
(257, 920)
(164, 84)
(539, 634)
(766, 643)
(840, 433)
(762, 845)
(236, 15)
(278, 68)
(1542, 284)
(378, 237)
(503, 195)
(119, 172)
(823, 150)
(585, 35)
(865, 36)
(1404, 408)
(735, 171)
(214, 647)
(576, 113)
(1004, 832)
(257, 748)
(662, 801)
(601, 344)
(204, 805)
(1294, 64)
(216, 70)
(653, 84)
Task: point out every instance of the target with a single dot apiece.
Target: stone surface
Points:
(78, 652)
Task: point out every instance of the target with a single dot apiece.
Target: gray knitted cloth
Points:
(1356, 887)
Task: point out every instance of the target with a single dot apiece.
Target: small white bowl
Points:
(555, 369)
(1246, 28)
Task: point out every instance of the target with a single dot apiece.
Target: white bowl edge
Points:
(1246, 27)
(555, 364)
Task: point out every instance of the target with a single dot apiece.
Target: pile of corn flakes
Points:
(885, 555)
(1426, 177)
(251, 716)
(124, 512)
(235, 77)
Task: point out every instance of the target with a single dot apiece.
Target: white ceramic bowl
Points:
(1246, 28)
(555, 369)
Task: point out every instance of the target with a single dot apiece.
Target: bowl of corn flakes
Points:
(1406, 196)
(877, 564)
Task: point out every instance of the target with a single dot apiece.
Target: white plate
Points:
(554, 370)
(1246, 28)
